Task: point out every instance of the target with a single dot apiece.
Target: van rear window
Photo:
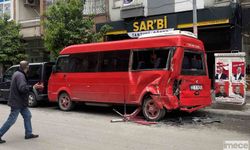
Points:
(35, 72)
(193, 63)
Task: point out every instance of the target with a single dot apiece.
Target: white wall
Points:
(184, 5)
(26, 12)
(115, 9)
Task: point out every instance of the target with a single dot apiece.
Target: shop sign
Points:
(148, 25)
(138, 34)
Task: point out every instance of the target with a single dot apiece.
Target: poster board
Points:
(230, 78)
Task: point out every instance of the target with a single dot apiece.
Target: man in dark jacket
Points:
(18, 102)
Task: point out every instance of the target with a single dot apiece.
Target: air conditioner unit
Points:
(31, 2)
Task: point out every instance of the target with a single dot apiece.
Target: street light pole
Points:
(195, 30)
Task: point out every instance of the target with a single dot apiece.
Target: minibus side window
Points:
(84, 62)
(62, 64)
(114, 61)
(193, 63)
(150, 59)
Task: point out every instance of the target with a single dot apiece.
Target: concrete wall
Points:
(160, 7)
(115, 10)
(25, 12)
(155, 7)
(29, 19)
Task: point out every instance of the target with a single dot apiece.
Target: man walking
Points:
(18, 102)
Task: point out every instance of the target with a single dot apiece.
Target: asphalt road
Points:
(89, 128)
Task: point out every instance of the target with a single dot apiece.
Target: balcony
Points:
(30, 28)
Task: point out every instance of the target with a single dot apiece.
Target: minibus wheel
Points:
(32, 101)
(64, 102)
(150, 110)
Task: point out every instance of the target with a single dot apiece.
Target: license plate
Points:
(196, 87)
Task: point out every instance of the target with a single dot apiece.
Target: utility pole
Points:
(195, 30)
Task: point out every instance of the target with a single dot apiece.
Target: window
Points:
(114, 61)
(85, 62)
(49, 2)
(35, 72)
(154, 58)
(8, 74)
(5, 8)
(94, 7)
(62, 64)
(193, 63)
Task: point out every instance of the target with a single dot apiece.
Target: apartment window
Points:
(49, 2)
(94, 7)
(5, 8)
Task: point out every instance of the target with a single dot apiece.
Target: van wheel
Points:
(65, 102)
(32, 101)
(150, 110)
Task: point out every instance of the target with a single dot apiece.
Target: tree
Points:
(66, 25)
(11, 47)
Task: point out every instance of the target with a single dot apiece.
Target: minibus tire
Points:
(155, 114)
(65, 103)
(32, 101)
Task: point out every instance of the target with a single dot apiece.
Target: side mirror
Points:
(54, 69)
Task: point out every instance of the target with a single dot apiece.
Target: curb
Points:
(237, 114)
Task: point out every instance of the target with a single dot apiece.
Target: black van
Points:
(38, 72)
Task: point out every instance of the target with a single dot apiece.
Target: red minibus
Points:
(157, 73)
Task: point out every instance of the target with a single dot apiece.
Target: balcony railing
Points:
(30, 23)
(94, 7)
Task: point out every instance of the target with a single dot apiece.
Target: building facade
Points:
(220, 22)
(29, 14)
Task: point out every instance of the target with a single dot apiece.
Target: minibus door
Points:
(194, 83)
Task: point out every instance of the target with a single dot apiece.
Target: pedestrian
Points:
(18, 102)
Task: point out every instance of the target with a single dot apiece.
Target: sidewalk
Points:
(241, 112)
